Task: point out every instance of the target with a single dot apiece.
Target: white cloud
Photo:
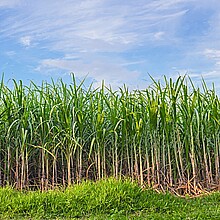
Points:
(212, 53)
(114, 73)
(10, 53)
(26, 41)
(159, 35)
(212, 74)
(92, 25)
(9, 4)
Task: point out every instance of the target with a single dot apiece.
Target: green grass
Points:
(105, 199)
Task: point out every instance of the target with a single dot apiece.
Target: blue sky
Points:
(116, 41)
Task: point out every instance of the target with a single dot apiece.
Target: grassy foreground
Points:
(105, 199)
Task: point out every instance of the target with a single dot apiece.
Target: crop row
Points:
(58, 134)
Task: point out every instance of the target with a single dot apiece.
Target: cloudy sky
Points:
(116, 41)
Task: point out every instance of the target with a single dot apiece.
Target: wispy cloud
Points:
(26, 41)
(117, 74)
(9, 4)
(213, 54)
(92, 25)
(91, 28)
(96, 36)
(10, 53)
(159, 35)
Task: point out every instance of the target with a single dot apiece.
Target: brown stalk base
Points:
(186, 189)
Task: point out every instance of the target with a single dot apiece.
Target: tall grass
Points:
(56, 134)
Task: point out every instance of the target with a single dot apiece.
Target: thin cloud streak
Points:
(89, 22)
(96, 67)
(9, 4)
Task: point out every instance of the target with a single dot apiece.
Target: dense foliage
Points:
(57, 134)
